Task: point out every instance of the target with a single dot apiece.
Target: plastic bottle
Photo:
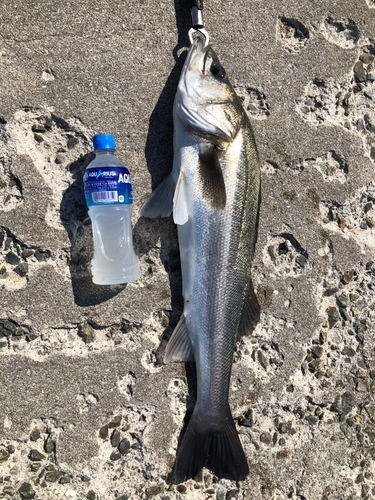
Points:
(109, 198)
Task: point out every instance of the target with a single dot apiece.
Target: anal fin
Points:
(180, 347)
(251, 313)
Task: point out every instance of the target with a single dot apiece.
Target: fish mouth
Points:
(191, 58)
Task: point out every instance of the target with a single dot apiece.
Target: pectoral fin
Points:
(180, 347)
(251, 313)
(180, 213)
(211, 178)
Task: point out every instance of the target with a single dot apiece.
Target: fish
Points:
(214, 194)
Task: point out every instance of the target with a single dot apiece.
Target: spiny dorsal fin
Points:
(211, 178)
(160, 202)
(179, 347)
(251, 313)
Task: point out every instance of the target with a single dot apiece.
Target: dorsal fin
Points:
(160, 202)
(211, 178)
(179, 347)
(251, 313)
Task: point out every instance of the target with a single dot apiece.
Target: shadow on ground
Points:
(159, 157)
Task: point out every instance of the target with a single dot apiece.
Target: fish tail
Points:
(212, 445)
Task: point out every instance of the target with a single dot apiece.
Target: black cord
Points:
(196, 3)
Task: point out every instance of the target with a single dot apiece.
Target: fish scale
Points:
(218, 320)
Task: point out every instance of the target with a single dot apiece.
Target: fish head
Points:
(205, 100)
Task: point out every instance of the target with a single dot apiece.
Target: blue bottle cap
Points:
(103, 141)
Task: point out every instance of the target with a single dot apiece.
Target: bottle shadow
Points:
(75, 219)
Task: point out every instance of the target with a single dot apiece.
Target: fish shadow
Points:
(159, 158)
(191, 398)
(75, 219)
(147, 232)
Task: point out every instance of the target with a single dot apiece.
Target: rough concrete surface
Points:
(87, 408)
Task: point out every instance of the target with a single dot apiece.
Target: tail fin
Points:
(212, 445)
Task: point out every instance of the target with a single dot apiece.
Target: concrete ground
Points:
(87, 409)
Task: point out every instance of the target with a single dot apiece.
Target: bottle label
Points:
(107, 186)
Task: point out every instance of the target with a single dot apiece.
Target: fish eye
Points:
(218, 71)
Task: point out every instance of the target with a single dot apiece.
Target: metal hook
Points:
(197, 22)
(203, 32)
